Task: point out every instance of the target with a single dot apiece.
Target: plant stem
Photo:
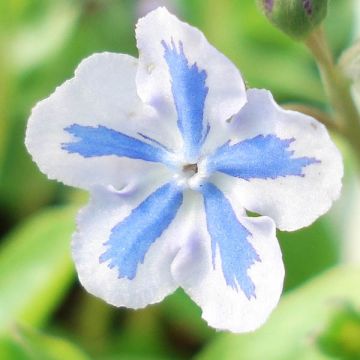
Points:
(338, 89)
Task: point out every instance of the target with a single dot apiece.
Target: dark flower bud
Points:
(296, 18)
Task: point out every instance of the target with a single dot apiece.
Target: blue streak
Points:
(261, 157)
(131, 239)
(189, 91)
(102, 141)
(226, 232)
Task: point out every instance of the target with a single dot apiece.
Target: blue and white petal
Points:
(126, 241)
(193, 83)
(279, 163)
(231, 265)
(94, 129)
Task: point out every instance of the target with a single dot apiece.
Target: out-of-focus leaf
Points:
(343, 219)
(183, 314)
(27, 344)
(95, 26)
(4, 93)
(23, 188)
(10, 350)
(35, 268)
(242, 33)
(294, 327)
(93, 321)
(152, 343)
(43, 29)
(266, 57)
(341, 338)
(54, 29)
(343, 12)
(315, 246)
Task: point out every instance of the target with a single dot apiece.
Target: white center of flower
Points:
(191, 175)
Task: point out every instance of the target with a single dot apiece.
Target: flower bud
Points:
(296, 18)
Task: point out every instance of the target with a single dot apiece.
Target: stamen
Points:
(190, 168)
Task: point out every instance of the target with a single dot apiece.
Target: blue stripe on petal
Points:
(131, 239)
(189, 91)
(261, 157)
(102, 141)
(232, 239)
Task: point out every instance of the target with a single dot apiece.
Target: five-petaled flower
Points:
(173, 149)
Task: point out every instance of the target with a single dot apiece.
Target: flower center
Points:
(192, 175)
(190, 170)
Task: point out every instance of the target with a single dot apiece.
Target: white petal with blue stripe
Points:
(126, 241)
(94, 129)
(279, 163)
(231, 265)
(195, 85)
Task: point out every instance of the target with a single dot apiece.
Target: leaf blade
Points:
(35, 267)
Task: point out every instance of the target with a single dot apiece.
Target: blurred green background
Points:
(44, 313)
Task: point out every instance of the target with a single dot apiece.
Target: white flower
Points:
(173, 150)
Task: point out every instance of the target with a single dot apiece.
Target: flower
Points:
(173, 149)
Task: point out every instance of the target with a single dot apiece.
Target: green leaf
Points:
(35, 267)
(183, 314)
(27, 344)
(54, 28)
(9, 349)
(341, 338)
(143, 336)
(266, 57)
(294, 327)
(316, 246)
(340, 36)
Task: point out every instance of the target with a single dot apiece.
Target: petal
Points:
(131, 239)
(77, 128)
(231, 266)
(189, 92)
(180, 71)
(125, 244)
(279, 163)
(102, 141)
(261, 157)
